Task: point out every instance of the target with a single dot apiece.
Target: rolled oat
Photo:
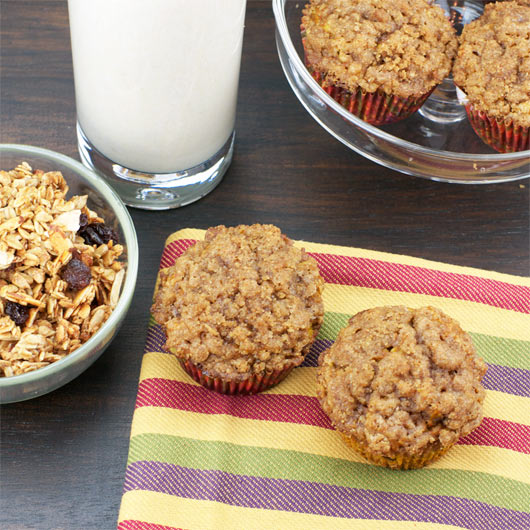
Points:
(43, 318)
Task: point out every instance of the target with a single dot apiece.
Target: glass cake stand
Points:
(437, 142)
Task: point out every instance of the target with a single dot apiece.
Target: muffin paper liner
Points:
(251, 385)
(401, 461)
(376, 108)
(503, 136)
(205, 460)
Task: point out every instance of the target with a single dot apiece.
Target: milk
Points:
(156, 80)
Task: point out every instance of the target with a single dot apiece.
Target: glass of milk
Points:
(156, 89)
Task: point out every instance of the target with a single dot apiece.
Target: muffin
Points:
(402, 385)
(241, 308)
(380, 59)
(492, 71)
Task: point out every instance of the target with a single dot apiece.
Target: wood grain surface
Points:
(63, 455)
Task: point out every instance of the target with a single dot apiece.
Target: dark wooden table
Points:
(63, 455)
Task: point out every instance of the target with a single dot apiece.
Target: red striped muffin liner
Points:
(251, 385)
(504, 137)
(376, 108)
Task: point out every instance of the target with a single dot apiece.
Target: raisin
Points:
(98, 234)
(18, 313)
(83, 221)
(76, 274)
(85, 258)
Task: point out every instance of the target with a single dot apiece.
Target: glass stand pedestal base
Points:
(443, 106)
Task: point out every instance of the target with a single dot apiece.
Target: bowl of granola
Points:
(68, 267)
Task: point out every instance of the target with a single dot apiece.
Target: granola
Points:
(56, 288)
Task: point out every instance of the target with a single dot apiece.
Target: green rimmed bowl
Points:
(103, 200)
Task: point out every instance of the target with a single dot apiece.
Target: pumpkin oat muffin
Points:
(379, 58)
(402, 385)
(241, 308)
(492, 69)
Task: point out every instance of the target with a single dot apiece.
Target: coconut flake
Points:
(68, 221)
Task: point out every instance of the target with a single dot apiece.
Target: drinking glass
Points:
(156, 86)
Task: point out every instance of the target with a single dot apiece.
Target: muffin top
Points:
(243, 301)
(402, 381)
(493, 62)
(403, 47)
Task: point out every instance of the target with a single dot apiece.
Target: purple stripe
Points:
(514, 381)
(317, 498)
(320, 345)
(155, 339)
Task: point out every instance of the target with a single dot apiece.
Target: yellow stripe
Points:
(507, 407)
(164, 509)
(161, 365)
(192, 233)
(302, 382)
(164, 366)
(472, 316)
(323, 442)
(186, 233)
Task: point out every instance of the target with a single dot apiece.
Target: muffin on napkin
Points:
(241, 308)
(492, 71)
(402, 385)
(380, 59)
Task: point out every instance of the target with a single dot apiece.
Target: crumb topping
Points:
(493, 62)
(243, 301)
(402, 380)
(403, 47)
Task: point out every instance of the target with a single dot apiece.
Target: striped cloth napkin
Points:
(201, 460)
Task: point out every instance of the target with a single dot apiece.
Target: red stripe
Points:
(269, 407)
(298, 409)
(500, 433)
(174, 250)
(131, 524)
(377, 274)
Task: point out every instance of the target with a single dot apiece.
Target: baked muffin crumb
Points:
(402, 47)
(244, 301)
(493, 62)
(402, 382)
